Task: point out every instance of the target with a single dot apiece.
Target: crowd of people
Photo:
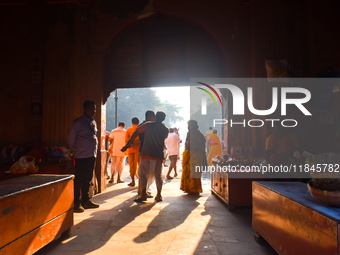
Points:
(146, 146)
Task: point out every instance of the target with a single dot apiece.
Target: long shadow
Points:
(229, 232)
(138, 208)
(113, 219)
(169, 217)
(112, 193)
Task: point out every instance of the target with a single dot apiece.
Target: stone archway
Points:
(158, 51)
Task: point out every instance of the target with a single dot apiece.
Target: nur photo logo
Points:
(283, 104)
(204, 99)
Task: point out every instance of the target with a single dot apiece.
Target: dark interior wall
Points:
(303, 32)
(68, 44)
(20, 56)
(53, 40)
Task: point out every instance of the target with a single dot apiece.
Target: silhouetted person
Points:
(152, 154)
(133, 151)
(83, 142)
(117, 140)
(172, 146)
(149, 116)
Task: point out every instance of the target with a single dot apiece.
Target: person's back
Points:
(172, 144)
(117, 139)
(151, 155)
(209, 132)
(133, 151)
(215, 147)
(194, 155)
(149, 116)
(154, 137)
(135, 146)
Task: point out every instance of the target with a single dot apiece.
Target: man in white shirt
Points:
(117, 140)
(172, 146)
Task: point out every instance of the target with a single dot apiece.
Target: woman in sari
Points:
(194, 155)
(215, 146)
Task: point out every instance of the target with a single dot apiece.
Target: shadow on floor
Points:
(229, 232)
(163, 222)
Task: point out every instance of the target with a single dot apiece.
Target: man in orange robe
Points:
(133, 151)
(215, 146)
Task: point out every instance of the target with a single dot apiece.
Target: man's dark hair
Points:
(215, 131)
(210, 128)
(160, 116)
(88, 103)
(121, 124)
(135, 120)
(148, 114)
(171, 130)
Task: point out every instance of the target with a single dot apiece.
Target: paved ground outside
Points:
(180, 224)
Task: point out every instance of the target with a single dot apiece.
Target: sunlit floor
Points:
(180, 224)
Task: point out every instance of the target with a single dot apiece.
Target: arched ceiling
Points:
(161, 51)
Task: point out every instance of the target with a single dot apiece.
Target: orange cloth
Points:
(189, 181)
(135, 145)
(133, 151)
(215, 148)
(133, 159)
(149, 157)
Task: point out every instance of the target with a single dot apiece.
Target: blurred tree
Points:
(134, 103)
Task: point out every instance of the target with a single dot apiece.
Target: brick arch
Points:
(162, 50)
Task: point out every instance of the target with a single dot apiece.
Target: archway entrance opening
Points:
(159, 52)
(125, 104)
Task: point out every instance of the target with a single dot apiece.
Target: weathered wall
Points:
(68, 43)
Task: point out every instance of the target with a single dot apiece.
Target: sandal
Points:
(131, 184)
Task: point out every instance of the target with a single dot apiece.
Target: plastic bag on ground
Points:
(26, 164)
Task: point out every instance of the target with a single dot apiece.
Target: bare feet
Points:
(140, 199)
(158, 198)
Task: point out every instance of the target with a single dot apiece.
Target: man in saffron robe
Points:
(215, 146)
(133, 150)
